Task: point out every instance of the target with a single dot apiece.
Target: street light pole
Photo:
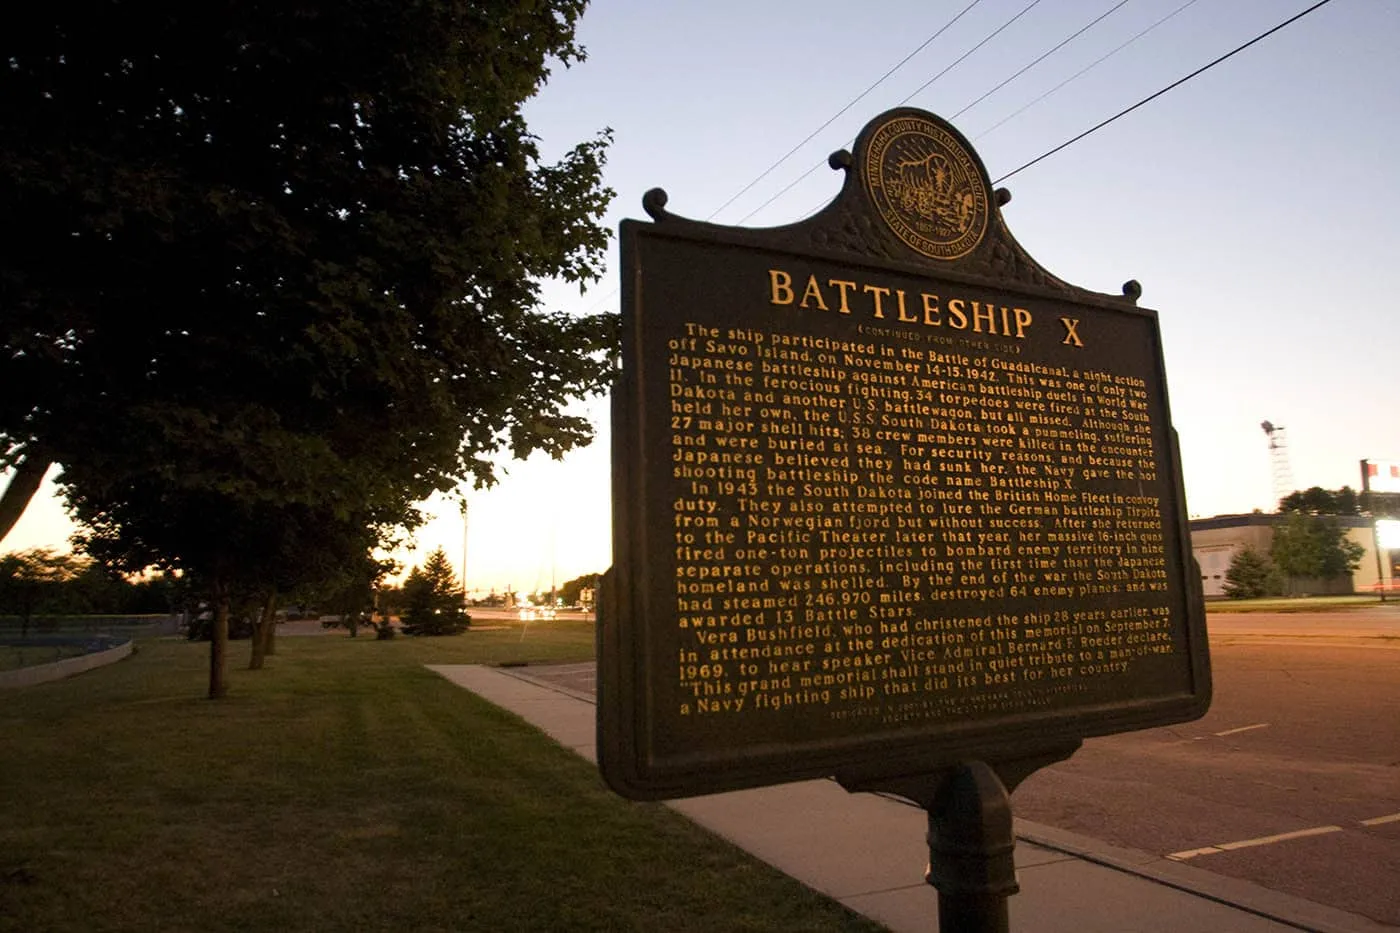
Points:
(464, 554)
(1380, 568)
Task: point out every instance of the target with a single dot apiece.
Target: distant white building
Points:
(1215, 542)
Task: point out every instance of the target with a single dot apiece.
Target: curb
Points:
(57, 670)
(1285, 909)
(1282, 908)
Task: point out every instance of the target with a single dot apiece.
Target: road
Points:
(493, 615)
(1292, 780)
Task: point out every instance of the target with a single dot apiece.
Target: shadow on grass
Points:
(344, 787)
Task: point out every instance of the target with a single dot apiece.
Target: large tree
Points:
(237, 551)
(433, 599)
(1318, 501)
(31, 581)
(1251, 575)
(1345, 501)
(1316, 546)
(284, 255)
(302, 236)
(572, 591)
(352, 595)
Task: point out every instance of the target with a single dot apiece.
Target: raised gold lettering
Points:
(845, 286)
(812, 292)
(931, 310)
(852, 515)
(958, 315)
(879, 292)
(779, 287)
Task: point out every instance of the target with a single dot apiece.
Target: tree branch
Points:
(28, 475)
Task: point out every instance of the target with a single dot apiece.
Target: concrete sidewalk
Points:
(869, 853)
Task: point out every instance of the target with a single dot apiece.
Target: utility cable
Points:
(1062, 146)
(1083, 71)
(975, 102)
(998, 31)
(768, 171)
(834, 117)
(1043, 57)
(790, 185)
(1152, 97)
(921, 88)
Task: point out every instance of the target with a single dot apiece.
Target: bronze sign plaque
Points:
(926, 187)
(887, 495)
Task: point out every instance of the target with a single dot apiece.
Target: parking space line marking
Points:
(1378, 820)
(1257, 725)
(1281, 837)
(1191, 853)
(1250, 843)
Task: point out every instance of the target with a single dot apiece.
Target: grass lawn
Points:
(1293, 604)
(344, 787)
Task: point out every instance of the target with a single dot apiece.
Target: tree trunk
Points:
(28, 475)
(267, 619)
(218, 644)
(269, 636)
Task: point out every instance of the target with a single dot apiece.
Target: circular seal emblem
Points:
(926, 187)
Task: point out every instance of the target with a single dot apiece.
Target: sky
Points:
(1257, 204)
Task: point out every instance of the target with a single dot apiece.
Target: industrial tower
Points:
(1278, 461)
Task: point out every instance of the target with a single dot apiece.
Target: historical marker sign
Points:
(887, 494)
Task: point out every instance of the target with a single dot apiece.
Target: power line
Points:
(863, 94)
(920, 89)
(1152, 97)
(790, 185)
(1004, 26)
(1064, 42)
(998, 31)
(834, 117)
(1083, 71)
(799, 179)
(1003, 84)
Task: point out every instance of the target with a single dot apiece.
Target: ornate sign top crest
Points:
(926, 186)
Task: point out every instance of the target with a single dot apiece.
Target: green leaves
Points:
(433, 599)
(284, 261)
(1251, 575)
(1319, 501)
(1307, 545)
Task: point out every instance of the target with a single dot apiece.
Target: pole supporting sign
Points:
(888, 495)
